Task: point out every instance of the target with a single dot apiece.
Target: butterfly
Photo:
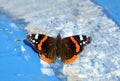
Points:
(50, 48)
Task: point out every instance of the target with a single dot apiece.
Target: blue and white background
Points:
(100, 19)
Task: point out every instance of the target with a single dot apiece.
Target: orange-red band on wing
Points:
(41, 42)
(42, 56)
(76, 44)
(71, 59)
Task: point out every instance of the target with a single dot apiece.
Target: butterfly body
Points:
(50, 48)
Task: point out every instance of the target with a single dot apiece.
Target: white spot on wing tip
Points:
(81, 38)
(36, 42)
(36, 36)
(33, 41)
(84, 42)
(80, 43)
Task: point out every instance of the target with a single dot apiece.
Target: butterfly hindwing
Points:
(72, 46)
(44, 45)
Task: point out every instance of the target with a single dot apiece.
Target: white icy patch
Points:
(45, 64)
(46, 69)
(14, 26)
(23, 49)
(26, 56)
(20, 75)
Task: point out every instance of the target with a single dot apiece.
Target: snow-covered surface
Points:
(99, 61)
(46, 69)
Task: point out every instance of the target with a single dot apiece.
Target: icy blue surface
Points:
(111, 8)
(98, 62)
(17, 64)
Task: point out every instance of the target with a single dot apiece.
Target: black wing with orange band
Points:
(72, 46)
(44, 45)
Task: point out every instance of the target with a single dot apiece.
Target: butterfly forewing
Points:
(34, 39)
(72, 46)
(44, 45)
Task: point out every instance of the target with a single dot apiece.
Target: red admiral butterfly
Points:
(50, 48)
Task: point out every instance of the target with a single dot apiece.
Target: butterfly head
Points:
(58, 36)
